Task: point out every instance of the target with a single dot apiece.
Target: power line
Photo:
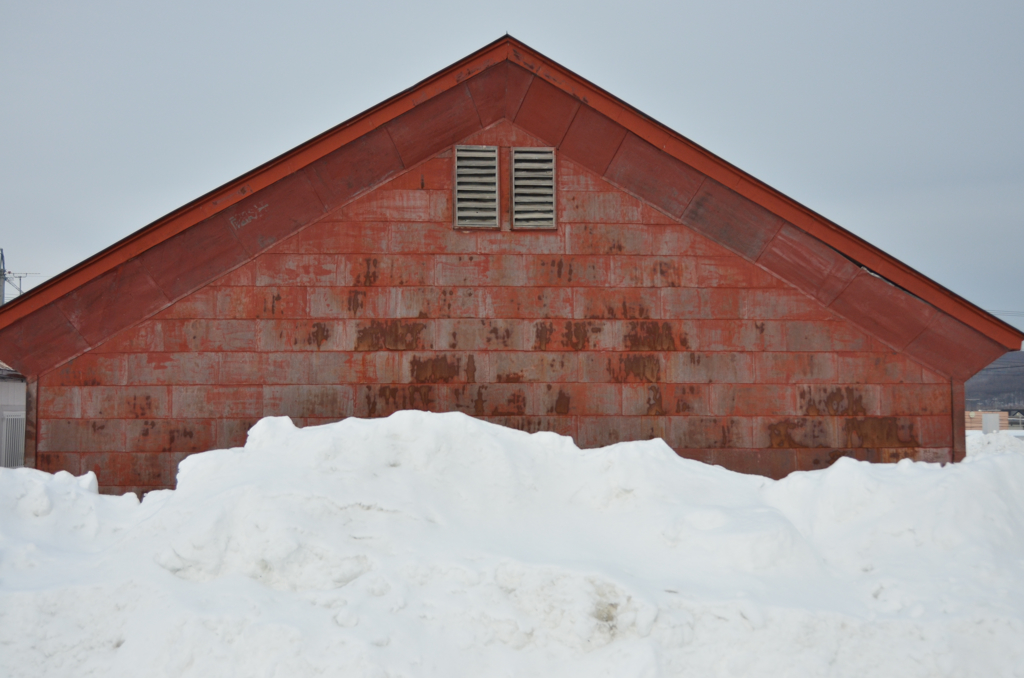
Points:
(9, 277)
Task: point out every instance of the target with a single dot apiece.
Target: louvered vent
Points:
(533, 188)
(12, 442)
(476, 187)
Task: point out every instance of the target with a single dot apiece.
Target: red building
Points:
(615, 282)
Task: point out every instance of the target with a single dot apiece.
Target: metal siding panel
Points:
(434, 124)
(546, 112)
(592, 140)
(653, 175)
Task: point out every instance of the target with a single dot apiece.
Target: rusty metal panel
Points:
(953, 348)
(808, 264)
(730, 219)
(351, 169)
(89, 369)
(278, 211)
(164, 434)
(81, 435)
(193, 258)
(488, 92)
(112, 302)
(434, 125)
(654, 176)
(546, 112)
(883, 309)
(592, 140)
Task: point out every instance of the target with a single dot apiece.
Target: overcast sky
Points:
(902, 122)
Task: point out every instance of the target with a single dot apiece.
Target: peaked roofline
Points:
(509, 49)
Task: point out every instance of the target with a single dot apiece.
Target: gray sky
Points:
(902, 122)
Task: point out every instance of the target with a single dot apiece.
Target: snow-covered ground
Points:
(1016, 433)
(439, 545)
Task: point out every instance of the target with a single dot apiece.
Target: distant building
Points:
(507, 240)
(980, 420)
(12, 417)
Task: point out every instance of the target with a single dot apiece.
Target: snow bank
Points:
(983, 444)
(439, 545)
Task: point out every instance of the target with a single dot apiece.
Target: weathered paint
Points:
(621, 328)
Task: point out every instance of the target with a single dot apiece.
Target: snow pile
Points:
(1002, 442)
(439, 545)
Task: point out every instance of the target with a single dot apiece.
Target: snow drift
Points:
(439, 545)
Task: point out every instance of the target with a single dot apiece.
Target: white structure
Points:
(12, 418)
(990, 422)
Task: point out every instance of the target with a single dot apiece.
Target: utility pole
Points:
(9, 277)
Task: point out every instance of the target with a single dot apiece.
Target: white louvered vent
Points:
(533, 188)
(476, 187)
(12, 444)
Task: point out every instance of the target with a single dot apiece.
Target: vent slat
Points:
(476, 187)
(533, 188)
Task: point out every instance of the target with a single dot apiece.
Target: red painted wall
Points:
(621, 325)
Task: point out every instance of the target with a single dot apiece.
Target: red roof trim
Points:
(507, 48)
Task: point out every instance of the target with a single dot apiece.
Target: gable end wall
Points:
(622, 325)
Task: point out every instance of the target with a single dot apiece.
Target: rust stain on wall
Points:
(389, 399)
(646, 368)
(543, 334)
(140, 407)
(879, 432)
(274, 298)
(448, 297)
(655, 407)
(893, 456)
(479, 402)
(174, 435)
(515, 405)
(439, 369)
(576, 335)
(499, 336)
(369, 276)
(528, 424)
(638, 312)
(356, 301)
(559, 267)
(562, 403)
(682, 404)
(669, 272)
(837, 401)
(780, 434)
(390, 336)
(799, 433)
(319, 335)
(652, 336)
(624, 311)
